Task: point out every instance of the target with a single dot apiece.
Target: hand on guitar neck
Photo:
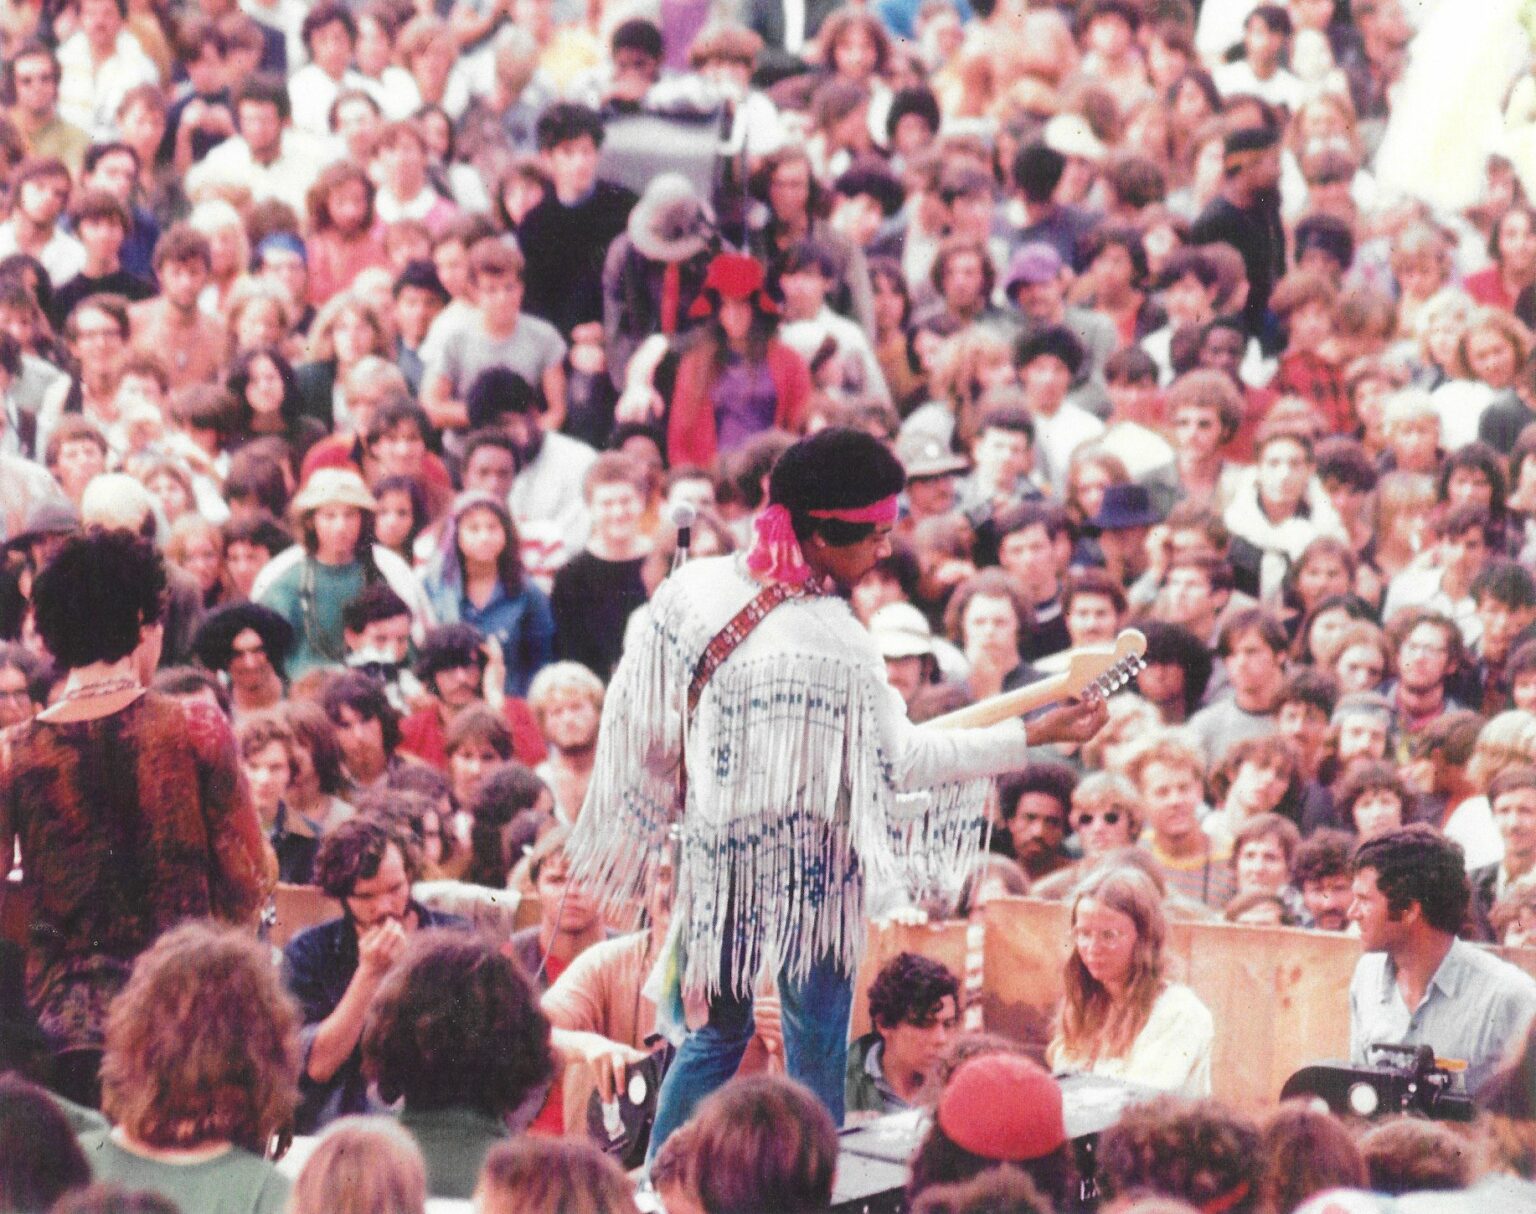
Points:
(1092, 674)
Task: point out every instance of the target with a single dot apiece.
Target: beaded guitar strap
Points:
(721, 647)
(734, 633)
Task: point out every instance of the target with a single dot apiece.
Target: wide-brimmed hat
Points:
(333, 487)
(52, 517)
(923, 455)
(901, 631)
(1124, 507)
(214, 641)
(1071, 135)
(671, 222)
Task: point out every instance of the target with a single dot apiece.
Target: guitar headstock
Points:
(1100, 670)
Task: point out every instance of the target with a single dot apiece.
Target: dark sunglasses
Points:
(1109, 818)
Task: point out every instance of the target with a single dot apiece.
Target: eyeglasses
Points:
(1109, 818)
(1109, 936)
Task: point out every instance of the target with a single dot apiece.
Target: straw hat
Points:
(333, 487)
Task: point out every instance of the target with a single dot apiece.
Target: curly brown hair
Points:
(457, 1025)
(355, 849)
(1195, 1150)
(203, 1044)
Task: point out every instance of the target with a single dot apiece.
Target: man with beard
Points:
(567, 703)
(1035, 805)
(458, 667)
(1321, 872)
(335, 969)
(247, 644)
(546, 500)
(1246, 215)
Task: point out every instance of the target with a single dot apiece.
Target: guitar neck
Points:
(1003, 705)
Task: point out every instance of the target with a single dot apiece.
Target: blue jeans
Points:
(815, 1013)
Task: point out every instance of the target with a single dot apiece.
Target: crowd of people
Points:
(526, 470)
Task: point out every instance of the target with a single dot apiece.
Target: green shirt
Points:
(235, 1182)
(454, 1142)
(317, 631)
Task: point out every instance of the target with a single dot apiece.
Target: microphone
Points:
(682, 516)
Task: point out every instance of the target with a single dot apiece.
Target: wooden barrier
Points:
(1279, 996)
(943, 942)
(298, 907)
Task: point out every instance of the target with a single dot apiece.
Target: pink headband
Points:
(776, 553)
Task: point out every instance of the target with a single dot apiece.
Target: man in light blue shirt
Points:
(1417, 983)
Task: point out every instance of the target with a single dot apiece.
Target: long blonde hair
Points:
(1091, 1025)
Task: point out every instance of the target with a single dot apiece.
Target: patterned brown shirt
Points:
(128, 824)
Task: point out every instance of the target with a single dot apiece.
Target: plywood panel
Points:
(298, 907)
(1026, 946)
(1279, 996)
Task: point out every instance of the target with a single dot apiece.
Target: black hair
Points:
(638, 34)
(1506, 582)
(496, 392)
(239, 381)
(1312, 687)
(1037, 171)
(365, 696)
(1328, 233)
(1345, 460)
(1418, 864)
(1057, 341)
(1174, 645)
(909, 989)
(875, 181)
(447, 647)
(836, 468)
(1054, 780)
(98, 152)
(1120, 236)
(564, 122)
(1478, 456)
(918, 100)
(40, 1160)
(411, 487)
(373, 603)
(92, 600)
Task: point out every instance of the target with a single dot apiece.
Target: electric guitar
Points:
(1093, 670)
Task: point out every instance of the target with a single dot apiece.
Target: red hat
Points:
(732, 276)
(1003, 1107)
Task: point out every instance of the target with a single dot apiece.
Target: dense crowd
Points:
(366, 368)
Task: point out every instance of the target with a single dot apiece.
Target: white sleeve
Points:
(1173, 1051)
